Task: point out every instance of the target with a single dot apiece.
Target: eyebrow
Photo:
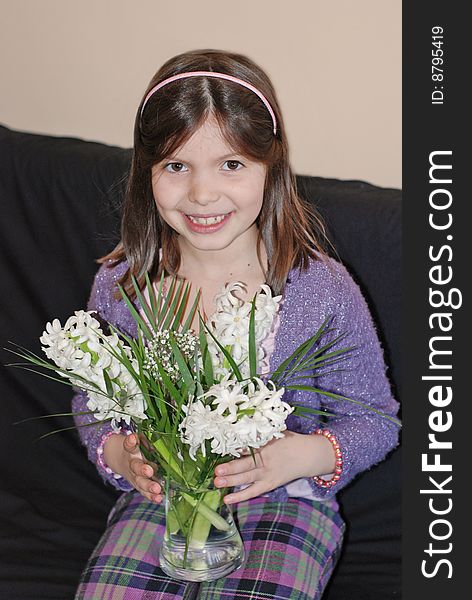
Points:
(226, 156)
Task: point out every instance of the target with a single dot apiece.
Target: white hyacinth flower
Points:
(227, 396)
(52, 334)
(236, 417)
(226, 299)
(82, 349)
(266, 304)
(233, 321)
(230, 325)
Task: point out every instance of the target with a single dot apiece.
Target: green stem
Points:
(201, 524)
(178, 516)
(162, 449)
(205, 509)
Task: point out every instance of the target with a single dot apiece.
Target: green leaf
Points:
(309, 388)
(167, 303)
(108, 383)
(152, 298)
(306, 361)
(54, 415)
(125, 338)
(177, 300)
(72, 428)
(144, 305)
(300, 351)
(180, 308)
(193, 310)
(252, 340)
(206, 356)
(299, 411)
(253, 454)
(227, 355)
(135, 314)
(170, 387)
(167, 456)
(70, 379)
(319, 357)
(181, 363)
(179, 303)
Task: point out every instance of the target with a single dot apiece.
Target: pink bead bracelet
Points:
(339, 460)
(100, 458)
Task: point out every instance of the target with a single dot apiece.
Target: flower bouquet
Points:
(196, 400)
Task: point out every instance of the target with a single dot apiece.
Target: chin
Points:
(211, 247)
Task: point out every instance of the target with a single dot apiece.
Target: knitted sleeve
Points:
(92, 433)
(364, 436)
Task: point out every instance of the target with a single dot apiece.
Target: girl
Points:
(211, 198)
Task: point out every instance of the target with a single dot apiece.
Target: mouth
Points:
(206, 223)
(207, 219)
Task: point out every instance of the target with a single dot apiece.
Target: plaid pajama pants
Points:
(291, 549)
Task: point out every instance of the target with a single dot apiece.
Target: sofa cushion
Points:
(59, 212)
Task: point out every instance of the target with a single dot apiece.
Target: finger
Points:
(131, 444)
(140, 468)
(239, 479)
(148, 487)
(156, 476)
(256, 489)
(240, 465)
(153, 465)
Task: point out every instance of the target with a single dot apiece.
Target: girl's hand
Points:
(123, 456)
(278, 462)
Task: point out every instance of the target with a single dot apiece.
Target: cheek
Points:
(156, 192)
(249, 192)
(161, 201)
(167, 217)
(164, 196)
(163, 192)
(255, 192)
(253, 204)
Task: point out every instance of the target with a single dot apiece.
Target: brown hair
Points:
(288, 226)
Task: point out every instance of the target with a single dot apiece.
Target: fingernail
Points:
(221, 481)
(220, 471)
(228, 499)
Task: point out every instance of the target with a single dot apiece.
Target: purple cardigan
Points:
(324, 290)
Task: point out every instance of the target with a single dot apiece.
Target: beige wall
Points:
(79, 68)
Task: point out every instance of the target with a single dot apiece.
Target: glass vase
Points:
(201, 542)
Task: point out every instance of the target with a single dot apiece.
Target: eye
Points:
(233, 165)
(175, 167)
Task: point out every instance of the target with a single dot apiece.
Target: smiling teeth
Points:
(206, 220)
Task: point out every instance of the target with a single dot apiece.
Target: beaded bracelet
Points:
(100, 458)
(339, 459)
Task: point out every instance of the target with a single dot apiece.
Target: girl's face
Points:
(210, 195)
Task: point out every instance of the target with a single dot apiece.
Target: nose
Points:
(203, 189)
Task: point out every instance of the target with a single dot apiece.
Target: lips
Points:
(206, 223)
(207, 219)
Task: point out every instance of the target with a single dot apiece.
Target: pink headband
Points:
(220, 76)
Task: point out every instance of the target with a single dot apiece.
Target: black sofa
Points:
(60, 206)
